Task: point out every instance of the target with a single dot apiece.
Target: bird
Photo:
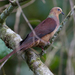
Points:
(43, 33)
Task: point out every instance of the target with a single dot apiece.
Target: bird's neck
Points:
(54, 16)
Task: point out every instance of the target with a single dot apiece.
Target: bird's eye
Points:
(58, 9)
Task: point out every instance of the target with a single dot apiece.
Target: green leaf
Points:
(3, 49)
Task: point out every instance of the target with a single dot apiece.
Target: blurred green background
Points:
(60, 57)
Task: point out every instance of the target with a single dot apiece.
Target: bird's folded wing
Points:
(45, 27)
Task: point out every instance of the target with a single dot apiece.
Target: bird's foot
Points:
(43, 51)
(48, 43)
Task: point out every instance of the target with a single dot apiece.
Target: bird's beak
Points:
(62, 13)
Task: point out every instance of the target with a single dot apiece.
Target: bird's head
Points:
(57, 10)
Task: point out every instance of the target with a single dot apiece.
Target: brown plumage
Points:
(45, 30)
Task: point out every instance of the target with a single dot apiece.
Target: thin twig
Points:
(3, 71)
(52, 53)
(70, 68)
(62, 35)
(3, 7)
(72, 4)
(18, 69)
(43, 1)
(3, 63)
(55, 3)
(18, 13)
(25, 5)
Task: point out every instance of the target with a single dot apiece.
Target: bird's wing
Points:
(45, 27)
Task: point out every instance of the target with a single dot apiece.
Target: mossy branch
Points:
(5, 14)
(8, 10)
(35, 64)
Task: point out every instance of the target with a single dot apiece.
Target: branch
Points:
(36, 64)
(5, 13)
(8, 10)
(10, 38)
(27, 4)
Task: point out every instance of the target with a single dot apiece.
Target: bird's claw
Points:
(43, 51)
(48, 43)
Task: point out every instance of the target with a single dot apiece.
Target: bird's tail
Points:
(8, 56)
(22, 47)
(4, 60)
